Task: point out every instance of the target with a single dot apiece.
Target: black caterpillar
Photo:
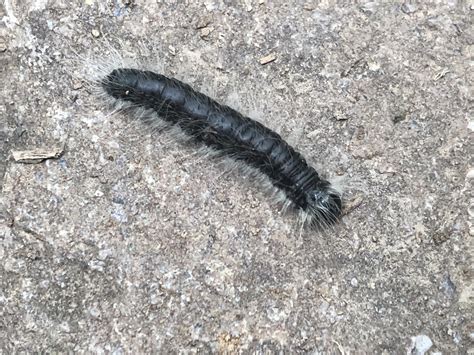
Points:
(231, 134)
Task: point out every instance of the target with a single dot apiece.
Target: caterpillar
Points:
(230, 134)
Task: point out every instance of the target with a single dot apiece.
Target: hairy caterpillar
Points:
(230, 134)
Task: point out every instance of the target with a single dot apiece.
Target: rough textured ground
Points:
(128, 242)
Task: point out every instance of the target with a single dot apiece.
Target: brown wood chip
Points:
(37, 155)
(268, 59)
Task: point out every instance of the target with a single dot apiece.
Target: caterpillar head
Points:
(324, 205)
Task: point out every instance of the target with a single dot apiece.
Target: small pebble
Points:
(448, 287)
(354, 282)
(3, 45)
(94, 312)
(203, 22)
(420, 345)
(370, 7)
(470, 210)
(408, 8)
(206, 31)
(95, 32)
(76, 85)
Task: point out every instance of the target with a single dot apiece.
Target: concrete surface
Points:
(128, 242)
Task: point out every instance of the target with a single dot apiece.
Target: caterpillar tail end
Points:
(114, 85)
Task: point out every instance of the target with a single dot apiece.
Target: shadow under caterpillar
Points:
(230, 134)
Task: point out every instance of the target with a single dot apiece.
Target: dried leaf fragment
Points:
(352, 204)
